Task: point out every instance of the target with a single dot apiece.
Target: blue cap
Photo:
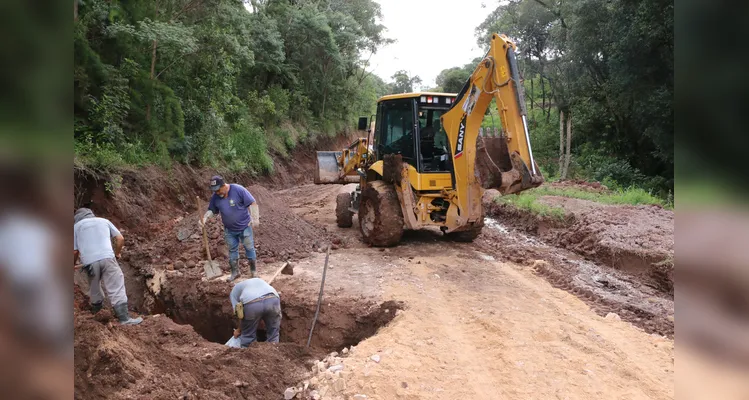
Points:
(216, 182)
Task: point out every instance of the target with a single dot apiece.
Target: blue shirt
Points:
(249, 290)
(233, 207)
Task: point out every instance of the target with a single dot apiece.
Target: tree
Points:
(403, 83)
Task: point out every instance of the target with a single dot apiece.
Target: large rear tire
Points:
(380, 216)
(343, 216)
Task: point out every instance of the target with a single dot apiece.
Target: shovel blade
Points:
(212, 270)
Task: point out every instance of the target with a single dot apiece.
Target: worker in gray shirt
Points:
(92, 242)
(260, 302)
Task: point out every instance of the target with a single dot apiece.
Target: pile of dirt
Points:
(638, 240)
(618, 259)
(594, 187)
(160, 359)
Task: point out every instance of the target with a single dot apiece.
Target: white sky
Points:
(431, 35)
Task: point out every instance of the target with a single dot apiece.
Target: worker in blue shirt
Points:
(239, 213)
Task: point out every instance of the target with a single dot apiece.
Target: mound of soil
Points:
(160, 359)
(638, 240)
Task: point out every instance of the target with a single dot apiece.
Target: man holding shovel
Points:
(239, 214)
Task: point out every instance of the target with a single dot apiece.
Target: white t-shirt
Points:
(92, 237)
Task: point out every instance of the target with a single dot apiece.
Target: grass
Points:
(632, 195)
(528, 200)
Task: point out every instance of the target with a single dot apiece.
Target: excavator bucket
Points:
(328, 169)
(495, 168)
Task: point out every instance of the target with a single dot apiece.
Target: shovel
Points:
(210, 267)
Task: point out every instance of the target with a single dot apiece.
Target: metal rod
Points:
(319, 297)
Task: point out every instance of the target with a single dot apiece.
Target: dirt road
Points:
(472, 326)
(510, 316)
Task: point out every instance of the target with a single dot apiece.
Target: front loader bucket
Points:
(328, 169)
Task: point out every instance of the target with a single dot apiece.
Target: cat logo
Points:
(461, 138)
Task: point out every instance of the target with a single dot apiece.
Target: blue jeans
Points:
(233, 238)
(269, 310)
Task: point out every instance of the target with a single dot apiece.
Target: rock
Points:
(179, 265)
(183, 234)
(436, 276)
(321, 366)
(334, 354)
(375, 358)
(190, 264)
(314, 395)
(613, 317)
(359, 396)
(345, 350)
(194, 236)
(314, 382)
(336, 368)
(241, 384)
(170, 267)
(404, 385)
(289, 393)
(339, 385)
(306, 385)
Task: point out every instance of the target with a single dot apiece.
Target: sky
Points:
(431, 35)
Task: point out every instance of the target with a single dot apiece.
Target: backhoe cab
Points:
(417, 167)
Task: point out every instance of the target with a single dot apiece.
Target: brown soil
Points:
(436, 312)
(617, 258)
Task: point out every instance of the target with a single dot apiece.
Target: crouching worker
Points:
(254, 300)
(92, 242)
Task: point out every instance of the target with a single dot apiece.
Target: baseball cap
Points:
(216, 182)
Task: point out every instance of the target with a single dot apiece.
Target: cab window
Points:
(397, 132)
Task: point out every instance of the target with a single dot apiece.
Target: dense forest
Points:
(233, 84)
(598, 74)
(220, 83)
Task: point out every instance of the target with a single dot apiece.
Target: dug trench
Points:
(342, 322)
(180, 344)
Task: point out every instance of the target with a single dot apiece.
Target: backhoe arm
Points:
(496, 77)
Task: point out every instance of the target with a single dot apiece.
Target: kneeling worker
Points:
(257, 301)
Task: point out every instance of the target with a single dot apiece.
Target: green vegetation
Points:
(209, 83)
(528, 200)
(608, 67)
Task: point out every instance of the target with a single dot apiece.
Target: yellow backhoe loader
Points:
(417, 167)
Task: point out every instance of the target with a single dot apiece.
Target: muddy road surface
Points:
(509, 316)
(483, 321)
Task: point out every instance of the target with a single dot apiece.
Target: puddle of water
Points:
(514, 234)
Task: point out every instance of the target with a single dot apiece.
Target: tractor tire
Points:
(469, 235)
(343, 216)
(380, 216)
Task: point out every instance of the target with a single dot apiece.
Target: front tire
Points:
(380, 216)
(343, 216)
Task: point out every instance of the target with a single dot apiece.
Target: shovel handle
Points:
(205, 235)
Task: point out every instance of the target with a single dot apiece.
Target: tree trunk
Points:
(153, 70)
(531, 96)
(75, 10)
(561, 143)
(543, 94)
(569, 145)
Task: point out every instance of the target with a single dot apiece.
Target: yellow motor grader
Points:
(417, 167)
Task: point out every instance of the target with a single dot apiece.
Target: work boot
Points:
(120, 310)
(253, 269)
(96, 307)
(234, 270)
